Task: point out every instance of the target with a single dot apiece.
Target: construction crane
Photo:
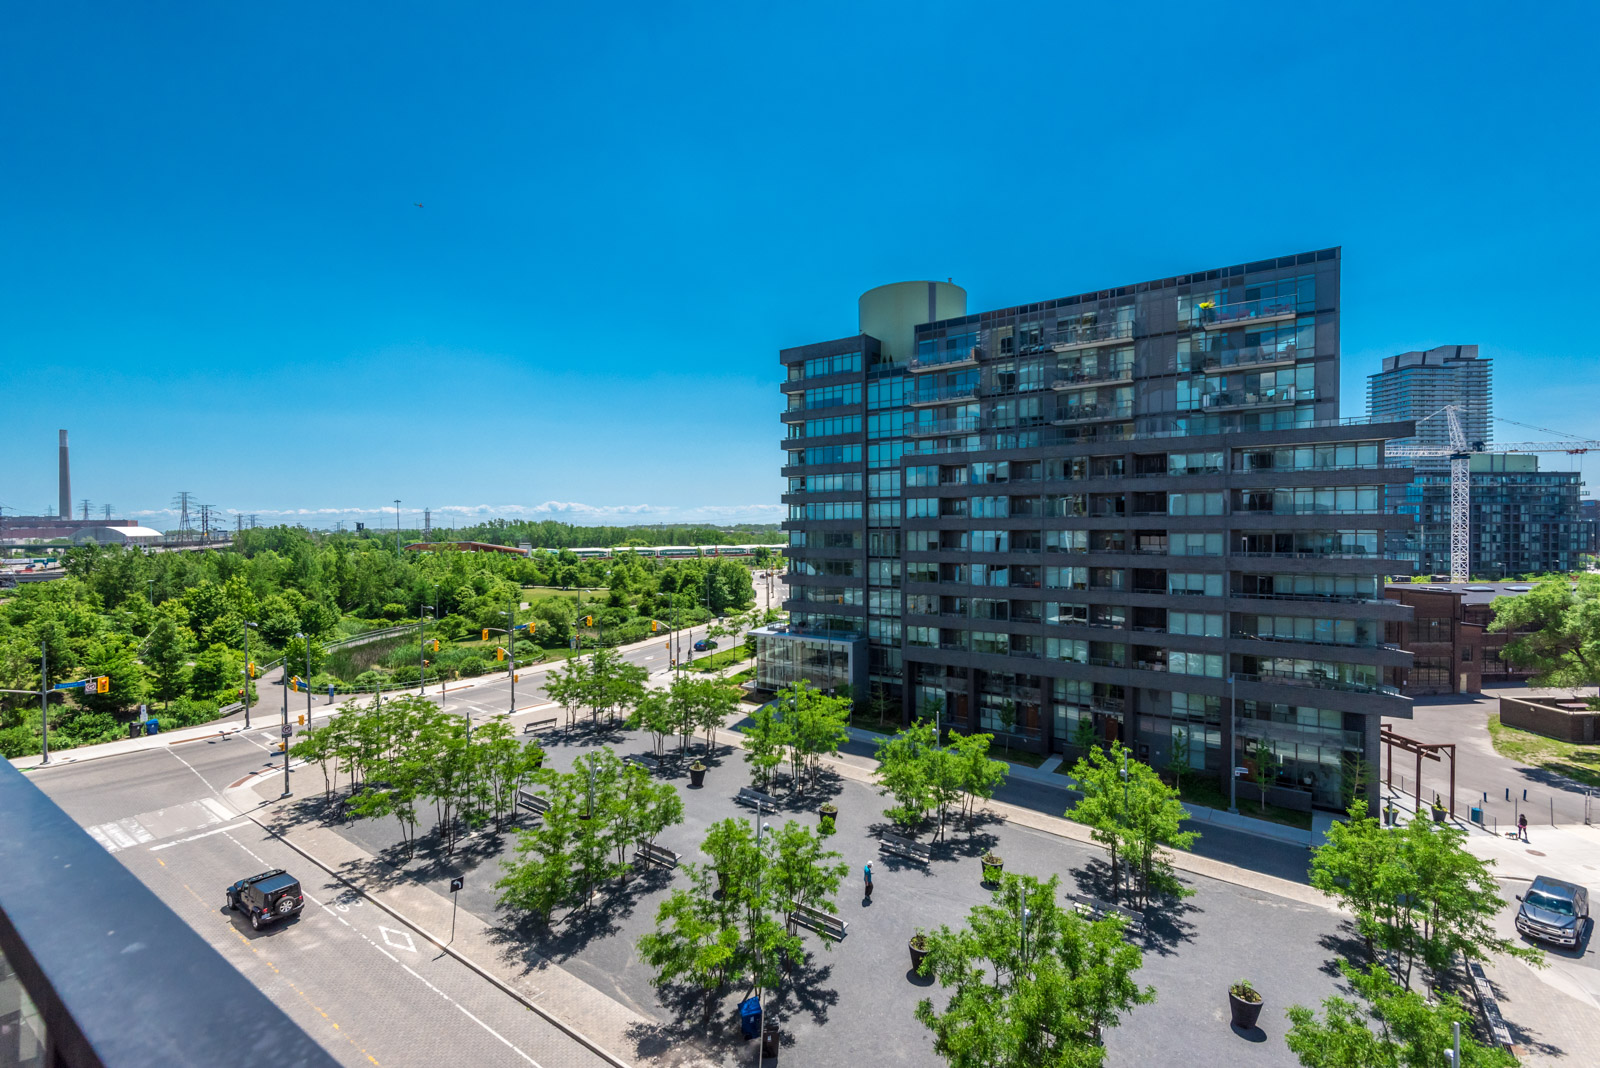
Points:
(1460, 452)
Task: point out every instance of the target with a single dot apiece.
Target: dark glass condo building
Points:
(1133, 512)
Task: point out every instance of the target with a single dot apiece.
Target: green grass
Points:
(1207, 792)
(719, 659)
(1017, 756)
(533, 593)
(1574, 760)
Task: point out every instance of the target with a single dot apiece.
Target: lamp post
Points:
(1125, 807)
(422, 647)
(248, 627)
(1233, 746)
(284, 731)
(761, 1039)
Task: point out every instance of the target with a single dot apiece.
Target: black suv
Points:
(272, 895)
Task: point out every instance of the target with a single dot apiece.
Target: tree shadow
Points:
(807, 983)
(1094, 878)
(1343, 943)
(1166, 924)
(1521, 1036)
(974, 843)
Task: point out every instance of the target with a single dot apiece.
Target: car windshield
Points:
(1558, 905)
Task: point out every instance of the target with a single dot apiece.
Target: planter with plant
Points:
(919, 950)
(993, 865)
(1439, 811)
(1244, 1002)
(830, 815)
(697, 774)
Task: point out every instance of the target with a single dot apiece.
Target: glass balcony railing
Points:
(1247, 356)
(98, 971)
(1083, 413)
(1245, 313)
(964, 357)
(943, 426)
(1071, 379)
(1257, 398)
(1088, 335)
(923, 398)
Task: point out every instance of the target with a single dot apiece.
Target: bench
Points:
(644, 760)
(824, 923)
(1092, 908)
(893, 843)
(532, 802)
(534, 726)
(1490, 1005)
(756, 798)
(654, 854)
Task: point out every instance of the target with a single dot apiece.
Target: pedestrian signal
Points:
(102, 684)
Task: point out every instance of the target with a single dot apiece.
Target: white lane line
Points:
(473, 1018)
(202, 834)
(100, 836)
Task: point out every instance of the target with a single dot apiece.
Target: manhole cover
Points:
(1534, 853)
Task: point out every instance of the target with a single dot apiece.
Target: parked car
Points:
(704, 644)
(266, 898)
(1554, 911)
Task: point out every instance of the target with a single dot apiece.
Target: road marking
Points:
(118, 835)
(473, 1018)
(218, 809)
(408, 945)
(202, 834)
(100, 836)
(133, 827)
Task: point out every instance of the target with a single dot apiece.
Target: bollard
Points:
(1524, 793)
(1552, 812)
(1508, 793)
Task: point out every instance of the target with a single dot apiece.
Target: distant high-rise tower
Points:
(64, 498)
(1415, 385)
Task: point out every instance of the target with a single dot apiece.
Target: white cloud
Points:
(575, 512)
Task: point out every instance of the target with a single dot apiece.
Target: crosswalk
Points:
(158, 824)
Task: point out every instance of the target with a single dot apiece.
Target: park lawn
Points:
(1575, 761)
(533, 593)
(719, 659)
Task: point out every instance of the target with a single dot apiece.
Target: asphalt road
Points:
(370, 989)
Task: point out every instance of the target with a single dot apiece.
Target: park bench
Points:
(755, 798)
(893, 843)
(824, 923)
(534, 726)
(1490, 1005)
(644, 760)
(1092, 908)
(656, 854)
(531, 801)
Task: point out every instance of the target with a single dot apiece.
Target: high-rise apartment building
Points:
(1132, 513)
(1416, 385)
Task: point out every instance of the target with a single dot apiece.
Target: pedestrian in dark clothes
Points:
(1522, 829)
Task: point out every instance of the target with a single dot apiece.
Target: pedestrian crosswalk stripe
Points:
(100, 836)
(118, 835)
(136, 829)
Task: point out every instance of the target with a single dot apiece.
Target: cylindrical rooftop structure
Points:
(892, 313)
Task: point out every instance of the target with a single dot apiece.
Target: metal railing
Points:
(1243, 312)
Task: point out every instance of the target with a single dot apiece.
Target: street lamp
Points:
(761, 826)
(1233, 745)
(1125, 804)
(248, 627)
(422, 646)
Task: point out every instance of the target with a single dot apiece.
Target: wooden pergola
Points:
(1428, 750)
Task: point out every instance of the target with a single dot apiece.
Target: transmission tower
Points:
(252, 521)
(181, 503)
(84, 505)
(107, 508)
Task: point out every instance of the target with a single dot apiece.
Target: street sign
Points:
(287, 731)
(144, 713)
(457, 883)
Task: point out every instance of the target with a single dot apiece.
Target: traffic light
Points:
(532, 626)
(654, 626)
(102, 684)
(485, 633)
(499, 653)
(588, 621)
(255, 672)
(436, 645)
(302, 718)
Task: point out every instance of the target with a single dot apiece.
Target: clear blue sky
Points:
(214, 274)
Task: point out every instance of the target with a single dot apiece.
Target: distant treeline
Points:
(549, 534)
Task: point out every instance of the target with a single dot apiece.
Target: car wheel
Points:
(255, 920)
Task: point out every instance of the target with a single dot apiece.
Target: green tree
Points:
(902, 773)
(1034, 996)
(696, 939)
(1264, 765)
(1134, 815)
(802, 872)
(1389, 1027)
(981, 775)
(1084, 736)
(767, 736)
(655, 712)
(1182, 753)
(166, 651)
(1556, 630)
(570, 687)
(1417, 894)
(816, 726)
(1008, 720)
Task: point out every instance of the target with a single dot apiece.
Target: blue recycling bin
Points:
(750, 1017)
(152, 726)
(1477, 815)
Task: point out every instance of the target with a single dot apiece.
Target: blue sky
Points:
(215, 276)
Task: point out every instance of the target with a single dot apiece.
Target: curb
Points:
(560, 1025)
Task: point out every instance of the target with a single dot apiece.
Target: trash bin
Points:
(133, 730)
(1477, 815)
(769, 1040)
(750, 1017)
(152, 726)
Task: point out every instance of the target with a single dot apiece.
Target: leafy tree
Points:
(1417, 894)
(902, 773)
(1354, 779)
(507, 766)
(981, 776)
(944, 774)
(570, 687)
(166, 651)
(816, 725)
(1264, 771)
(696, 939)
(800, 872)
(1133, 814)
(1556, 630)
(540, 877)
(1040, 996)
(656, 713)
(1008, 720)
(766, 738)
(1084, 736)
(1182, 752)
(711, 702)
(1390, 1027)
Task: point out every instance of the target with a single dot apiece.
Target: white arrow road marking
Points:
(406, 943)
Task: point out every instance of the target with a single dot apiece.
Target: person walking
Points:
(867, 873)
(1522, 830)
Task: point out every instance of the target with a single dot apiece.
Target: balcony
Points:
(1263, 398)
(1091, 335)
(1318, 680)
(1247, 313)
(1248, 356)
(1122, 373)
(1088, 413)
(923, 398)
(943, 426)
(958, 358)
(103, 972)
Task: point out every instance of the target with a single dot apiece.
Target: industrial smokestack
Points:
(66, 480)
